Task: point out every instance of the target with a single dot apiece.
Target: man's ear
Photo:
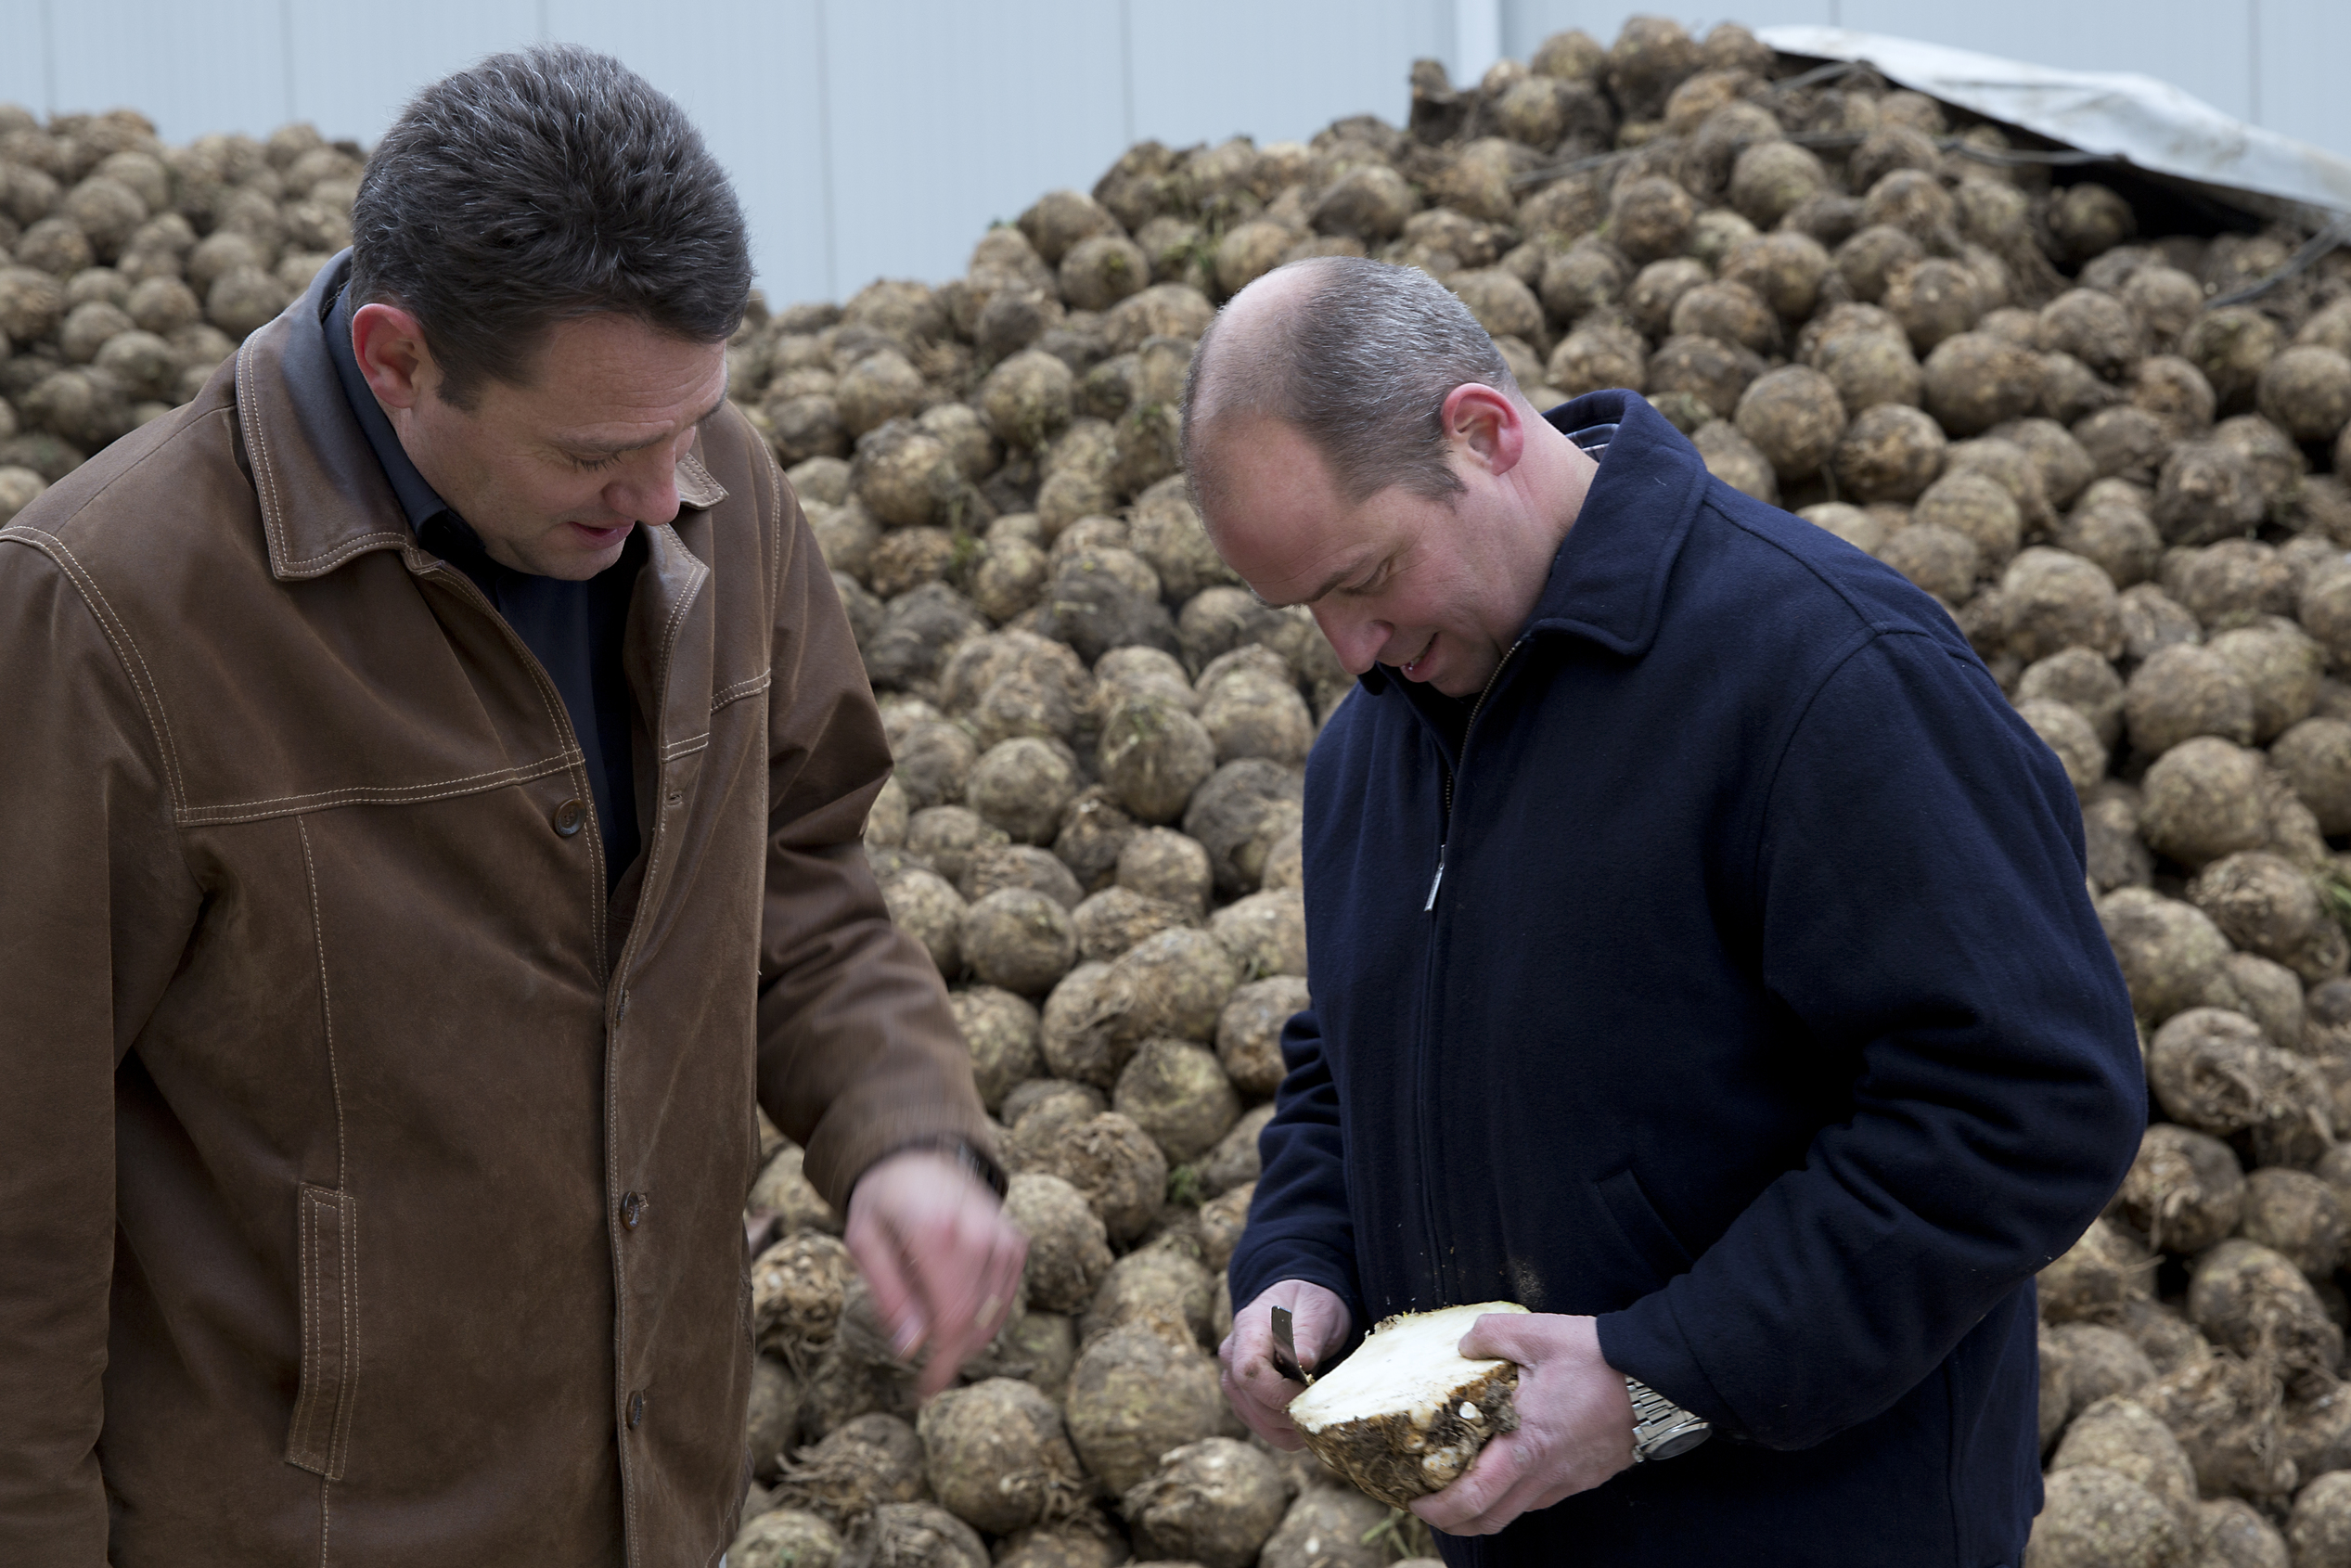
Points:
(1486, 425)
(391, 349)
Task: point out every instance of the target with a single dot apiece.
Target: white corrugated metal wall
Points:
(880, 137)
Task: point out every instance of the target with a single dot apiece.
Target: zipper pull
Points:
(1435, 882)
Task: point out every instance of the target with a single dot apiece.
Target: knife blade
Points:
(1286, 1349)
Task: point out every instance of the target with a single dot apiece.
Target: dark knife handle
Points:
(1286, 1348)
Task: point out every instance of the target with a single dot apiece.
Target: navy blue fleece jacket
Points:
(1760, 1011)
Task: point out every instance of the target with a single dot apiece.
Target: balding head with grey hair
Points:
(1358, 357)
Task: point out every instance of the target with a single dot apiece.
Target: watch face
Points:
(1680, 1442)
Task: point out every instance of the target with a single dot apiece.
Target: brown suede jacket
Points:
(370, 1187)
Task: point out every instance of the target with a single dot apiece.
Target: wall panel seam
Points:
(48, 60)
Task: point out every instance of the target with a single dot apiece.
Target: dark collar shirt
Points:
(574, 629)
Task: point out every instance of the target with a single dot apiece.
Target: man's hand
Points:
(1259, 1394)
(943, 1262)
(1576, 1424)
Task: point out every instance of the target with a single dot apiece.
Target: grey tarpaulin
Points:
(2151, 124)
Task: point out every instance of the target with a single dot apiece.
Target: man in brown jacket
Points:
(431, 770)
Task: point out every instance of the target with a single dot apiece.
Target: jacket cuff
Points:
(862, 1128)
(1645, 1342)
(1252, 1275)
(981, 1162)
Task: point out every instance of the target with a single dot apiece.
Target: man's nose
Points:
(1356, 639)
(647, 492)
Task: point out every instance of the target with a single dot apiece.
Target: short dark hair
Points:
(1361, 364)
(539, 187)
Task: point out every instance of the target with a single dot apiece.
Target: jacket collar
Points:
(324, 497)
(1608, 580)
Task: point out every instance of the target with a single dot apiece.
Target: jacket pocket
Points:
(1638, 1222)
(318, 1439)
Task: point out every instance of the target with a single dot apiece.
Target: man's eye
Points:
(589, 465)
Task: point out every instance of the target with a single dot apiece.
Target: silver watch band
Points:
(1660, 1428)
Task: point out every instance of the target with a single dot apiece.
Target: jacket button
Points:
(632, 1208)
(568, 818)
(635, 1410)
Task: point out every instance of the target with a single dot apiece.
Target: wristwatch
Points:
(1660, 1428)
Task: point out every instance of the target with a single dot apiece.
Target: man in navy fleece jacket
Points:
(1701, 957)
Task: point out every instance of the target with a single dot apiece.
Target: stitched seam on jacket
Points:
(692, 462)
(652, 867)
(669, 650)
(325, 1453)
(653, 862)
(273, 509)
(776, 530)
(326, 1517)
(306, 1397)
(126, 651)
(685, 600)
(669, 645)
(257, 441)
(620, 1307)
(347, 1392)
(611, 1099)
(311, 565)
(317, 1395)
(374, 794)
(741, 690)
(550, 701)
(326, 1003)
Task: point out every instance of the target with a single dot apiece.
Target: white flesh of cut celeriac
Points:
(1405, 1414)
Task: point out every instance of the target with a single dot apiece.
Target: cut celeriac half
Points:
(1405, 1414)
